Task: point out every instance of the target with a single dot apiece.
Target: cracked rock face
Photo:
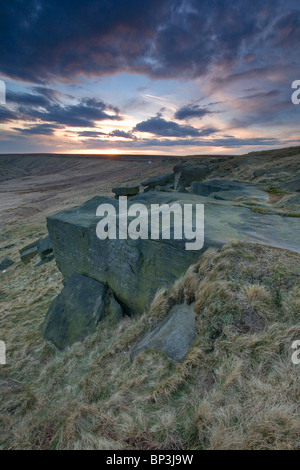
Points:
(135, 269)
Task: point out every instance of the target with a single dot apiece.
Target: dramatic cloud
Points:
(159, 126)
(191, 111)
(91, 134)
(73, 67)
(27, 99)
(82, 114)
(125, 135)
(6, 115)
(39, 129)
(161, 38)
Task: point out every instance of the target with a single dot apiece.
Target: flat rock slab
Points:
(174, 335)
(75, 312)
(227, 190)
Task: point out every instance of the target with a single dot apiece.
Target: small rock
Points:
(6, 263)
(28, 252)
(45, 260)
(126, 191)
(174, 335)
(45, 247)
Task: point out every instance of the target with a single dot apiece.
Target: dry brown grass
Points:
(236, 389)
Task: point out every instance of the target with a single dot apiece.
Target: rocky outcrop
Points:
(174, 335)
(185, 173)
(135, 269)
(77, 310)
(160, 180)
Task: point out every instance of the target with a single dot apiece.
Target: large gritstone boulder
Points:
(135, 269)
(76, 311)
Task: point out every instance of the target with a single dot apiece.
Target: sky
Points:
(148, 76)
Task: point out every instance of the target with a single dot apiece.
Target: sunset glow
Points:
(195, 81)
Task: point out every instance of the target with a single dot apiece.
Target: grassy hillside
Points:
(236, 389)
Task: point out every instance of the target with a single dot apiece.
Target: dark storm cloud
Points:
(261, 95)
(41, 40)
(82, 114)
(191, 111)
(125, 135)
(159, 126)
(49, 93)
(39, 129)
(286, 31)
(27, 99)
(6, 115)
(93, 134)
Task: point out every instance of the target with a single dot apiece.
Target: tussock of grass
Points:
(236, 389)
